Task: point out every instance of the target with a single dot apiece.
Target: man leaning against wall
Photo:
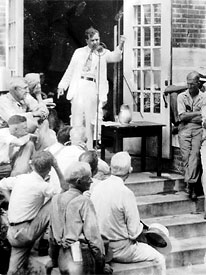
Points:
(189, 104)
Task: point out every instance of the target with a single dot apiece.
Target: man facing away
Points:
(118, 216)
(86, 81)
(189, 104)
(74, 223)
(28, 214)
(67, 154)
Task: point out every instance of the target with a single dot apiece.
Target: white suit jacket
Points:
(73, 72)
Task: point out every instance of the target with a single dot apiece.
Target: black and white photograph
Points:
(102, 137)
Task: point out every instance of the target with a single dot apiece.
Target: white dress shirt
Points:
(27, 196)
(74, 71)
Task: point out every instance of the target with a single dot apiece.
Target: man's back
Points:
(72, 218)
(116, 209)
(65, 156)
(27, 197)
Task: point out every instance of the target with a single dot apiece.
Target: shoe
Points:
(191, 191)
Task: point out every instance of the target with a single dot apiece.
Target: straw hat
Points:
(158, 237)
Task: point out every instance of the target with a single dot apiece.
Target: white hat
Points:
(158, 237)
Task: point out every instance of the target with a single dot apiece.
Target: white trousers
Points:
(126, 251)
(84, 107)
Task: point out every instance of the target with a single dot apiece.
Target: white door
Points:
(15, 19)
(147, 61)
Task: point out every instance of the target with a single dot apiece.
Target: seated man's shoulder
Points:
(4, 132)
(5, 98)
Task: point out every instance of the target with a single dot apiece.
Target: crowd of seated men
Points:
(56, 186)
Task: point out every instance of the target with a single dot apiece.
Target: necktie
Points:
(88, 63)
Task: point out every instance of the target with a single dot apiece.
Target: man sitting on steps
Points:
(28, 214)
(118, 216)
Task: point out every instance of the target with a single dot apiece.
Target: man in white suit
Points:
(86, 81)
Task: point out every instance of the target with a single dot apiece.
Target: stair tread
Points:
(199, 269)
(151, 176)
(162, 198)
(130, 266)
(117, 267)
(171, 220)
(188, 244)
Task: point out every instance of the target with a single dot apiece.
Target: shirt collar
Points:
(117, 177)
(188, 94)
(74, 190)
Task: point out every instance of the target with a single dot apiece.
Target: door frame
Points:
(165, 66)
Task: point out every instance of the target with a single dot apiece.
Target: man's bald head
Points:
(193, 76)
(78, 175)
(121, 164)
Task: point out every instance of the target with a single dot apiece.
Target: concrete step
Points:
(187, 252)
(143, 268)
(199, 269)
(147, 183)
(37, 267)
(182, 226)
(168, 204)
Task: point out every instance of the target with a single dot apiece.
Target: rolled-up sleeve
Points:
(7, 183)
(181, 108)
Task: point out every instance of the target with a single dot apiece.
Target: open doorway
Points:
(54, 29)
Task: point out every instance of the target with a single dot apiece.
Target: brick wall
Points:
(189, 43)
(188, 23)
(2, 33)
